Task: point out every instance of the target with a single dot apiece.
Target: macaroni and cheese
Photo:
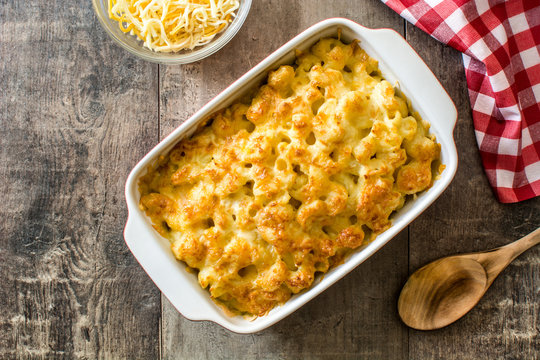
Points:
(270, 193)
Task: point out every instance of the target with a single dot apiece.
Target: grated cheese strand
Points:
(173, 25)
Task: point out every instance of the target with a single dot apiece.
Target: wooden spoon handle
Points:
(497, 260)
(525, 243)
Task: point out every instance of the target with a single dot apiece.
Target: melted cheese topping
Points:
(173, 25)
(268, 194)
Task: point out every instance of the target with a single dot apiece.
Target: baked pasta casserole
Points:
(270, 192)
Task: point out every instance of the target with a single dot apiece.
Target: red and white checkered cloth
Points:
(500, 41)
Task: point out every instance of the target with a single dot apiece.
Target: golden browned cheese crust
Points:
(270, 193)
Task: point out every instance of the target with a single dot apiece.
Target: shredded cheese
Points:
(173, 25)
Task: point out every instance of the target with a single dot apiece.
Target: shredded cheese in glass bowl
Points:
(172, 31)
(173, 25)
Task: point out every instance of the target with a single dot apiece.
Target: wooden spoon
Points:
(443, 291)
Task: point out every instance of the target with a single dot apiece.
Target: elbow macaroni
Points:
(269, 194)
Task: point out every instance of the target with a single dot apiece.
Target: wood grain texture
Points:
(357, 317)
(76, 115)
(467, 217)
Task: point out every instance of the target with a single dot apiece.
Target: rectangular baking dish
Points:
(400, 65)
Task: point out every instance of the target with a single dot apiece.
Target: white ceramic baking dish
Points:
(398, 62)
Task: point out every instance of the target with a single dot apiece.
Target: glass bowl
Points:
(135, 46)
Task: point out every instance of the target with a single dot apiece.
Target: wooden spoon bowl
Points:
(448, 289)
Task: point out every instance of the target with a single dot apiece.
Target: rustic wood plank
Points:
(467, 217)
(357, 317)
(76, 113)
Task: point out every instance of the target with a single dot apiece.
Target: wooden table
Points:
(77, 113)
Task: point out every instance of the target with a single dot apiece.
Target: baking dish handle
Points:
(168, 274)
(390, 42)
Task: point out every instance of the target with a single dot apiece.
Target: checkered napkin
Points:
(500, 41)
